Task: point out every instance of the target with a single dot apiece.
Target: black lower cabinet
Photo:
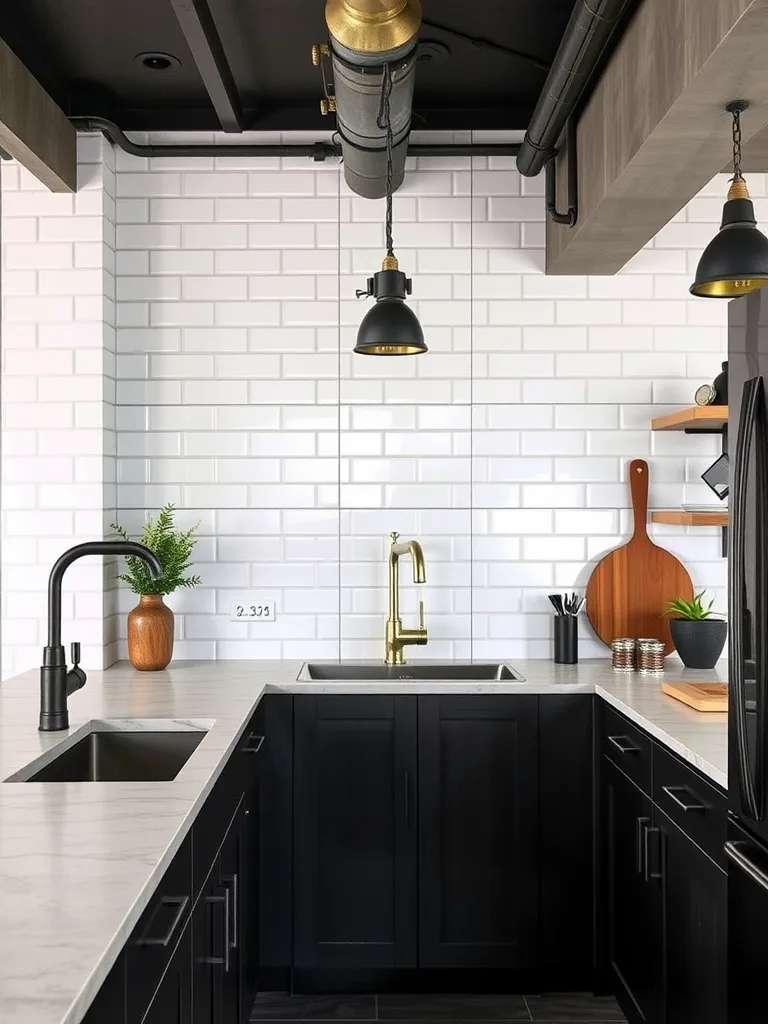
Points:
(218, 930)
(478, 824)
(695, 930)
(355, 832)
(664, 897)
(172, 1002)
(631, 895)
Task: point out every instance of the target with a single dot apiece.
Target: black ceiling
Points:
(83, 52)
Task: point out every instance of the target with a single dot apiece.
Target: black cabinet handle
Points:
(253, 743)
(407, 798)
(672, 792)
(641, 822)
(218, 961)
(623, 747)
(648, 873)
(235, 883)
(180, 902)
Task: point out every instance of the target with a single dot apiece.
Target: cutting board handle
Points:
(638, 486)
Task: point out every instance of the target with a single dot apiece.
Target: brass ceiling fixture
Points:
(736, 260)
(390, 328)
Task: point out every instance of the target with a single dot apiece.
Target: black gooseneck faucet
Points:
(56, 681)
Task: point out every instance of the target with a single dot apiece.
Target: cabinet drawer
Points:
(154, 939)
(691, 802)
(627, 746)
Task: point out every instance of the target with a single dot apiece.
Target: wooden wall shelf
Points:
(707, 418)
(681, 518)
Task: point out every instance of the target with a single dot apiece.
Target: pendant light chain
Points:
(384, 122)
(737, 175)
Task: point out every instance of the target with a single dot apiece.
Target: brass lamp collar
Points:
(738, 189)
(373, 26)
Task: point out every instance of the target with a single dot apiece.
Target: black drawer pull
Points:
(218, 961)
(165, 940)
(234, 881)
(640, 824)
(649, 874)
(672, 792)
(250, 747)
(623, 747)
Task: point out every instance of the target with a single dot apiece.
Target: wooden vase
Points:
(150, 634)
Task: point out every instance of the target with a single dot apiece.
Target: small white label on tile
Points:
(252, 610)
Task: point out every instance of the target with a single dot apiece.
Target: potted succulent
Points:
(698, 636)
(151, 622)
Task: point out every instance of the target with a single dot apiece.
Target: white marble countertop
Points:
(80, 861)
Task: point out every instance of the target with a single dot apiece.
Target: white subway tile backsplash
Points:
(232, 399)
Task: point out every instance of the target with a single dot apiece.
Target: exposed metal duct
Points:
(365, 35)
(588, 33)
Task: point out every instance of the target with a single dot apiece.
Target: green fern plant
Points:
(174, 549)
(693, 611)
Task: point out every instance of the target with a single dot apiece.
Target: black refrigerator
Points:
(747, 841)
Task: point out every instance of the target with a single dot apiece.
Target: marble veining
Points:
(80, 861)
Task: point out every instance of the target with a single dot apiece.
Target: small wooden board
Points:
(700, 696)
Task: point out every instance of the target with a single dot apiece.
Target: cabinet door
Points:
(566, 840)
(208, 952)
(276, 843)
(232, 861)
(695, 924)
(249, 895)
(634, 931)
(172, 1003)
(355, 831)
(478, 824)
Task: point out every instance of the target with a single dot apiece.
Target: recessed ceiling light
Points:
(156, 61)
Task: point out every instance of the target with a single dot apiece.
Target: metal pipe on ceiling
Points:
(589, 31)
(317, 151)
(366, 35)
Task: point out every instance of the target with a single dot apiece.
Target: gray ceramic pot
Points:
(699, 642)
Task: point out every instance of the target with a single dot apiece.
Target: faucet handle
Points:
(75, 653)
(394, 535)
(421, 615)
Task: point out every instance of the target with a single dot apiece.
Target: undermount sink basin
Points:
(117, 755)
(447, 671)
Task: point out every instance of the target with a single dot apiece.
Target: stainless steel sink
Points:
(120, 756)
(448, 671)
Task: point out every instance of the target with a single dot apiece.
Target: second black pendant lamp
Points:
(736, 260)
(390, 328)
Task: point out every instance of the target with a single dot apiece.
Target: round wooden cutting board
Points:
(631, 586)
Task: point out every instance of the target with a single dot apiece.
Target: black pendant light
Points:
(736, 260)
(390, 328)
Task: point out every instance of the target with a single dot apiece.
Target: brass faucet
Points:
(397, 637)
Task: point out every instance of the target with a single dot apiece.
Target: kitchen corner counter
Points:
(80, 861)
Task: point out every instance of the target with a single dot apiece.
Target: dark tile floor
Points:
(560, 1008)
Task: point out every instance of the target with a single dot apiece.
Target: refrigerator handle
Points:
(761, 552)
(736, 586)
(737, 853)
